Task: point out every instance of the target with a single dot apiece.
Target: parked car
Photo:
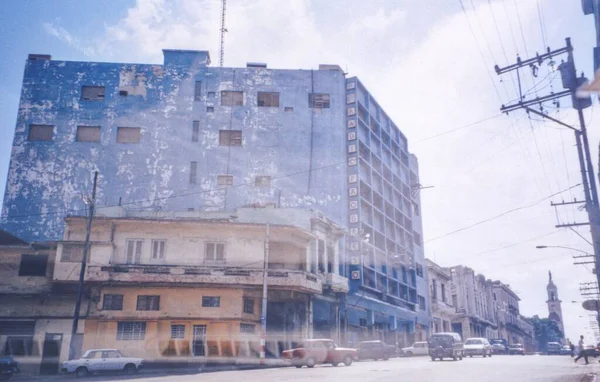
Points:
(553, 348)
(478, 346)
(499, 346)
(102, 360)
(516, 349)
(374, 350)
(592, 351)
(418, 348)
(565, 350)
(318, 351)
(8, 367)
(446, 345)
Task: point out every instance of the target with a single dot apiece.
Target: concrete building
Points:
(472, 297)
(507, 307)
(35, 314)
(185, 136)
(527, 334)
(442, 310)
(189, 285)
(554, 304)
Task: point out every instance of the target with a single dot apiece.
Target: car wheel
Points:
(490, 355)
(298, 366)
(454, 357)
(311, 362)
(470, 356)
(433, 359)
(483, 354)
(460, 357)
(335, 364)
(386, 357)
(409, 354)
(130, 369)
(347, 360)
(81, 372)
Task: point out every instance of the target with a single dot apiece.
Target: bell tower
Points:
(554, 307)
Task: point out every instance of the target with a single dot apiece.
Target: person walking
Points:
(572, 347)
(582, 352)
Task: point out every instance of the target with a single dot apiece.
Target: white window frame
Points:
(136, 255)
(161, 255)
(213, 257)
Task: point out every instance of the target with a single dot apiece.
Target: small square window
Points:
(88, 134)
(129, 134)
(288, 109)
(225, 180)
(33, 265)
(148, 302)
(248, 305)
(158, 249)
(177, 331)
(112, 302)
(268, 99)
(41, 133)
(214, 251)
(230, 137)
(72, 253)
(211, 301)
(232, 98)
(262, 181)
(211, 94)
(247, 328)
(318, 100)
(210, 109)
(92, 93)
(131, 330)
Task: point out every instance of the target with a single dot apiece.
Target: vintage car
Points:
(516, 349)
(499, 346)
(319, 351)
(418, 348)
(553, 348)
(478, 346)
(8, 367)
(102, 360)
(446, 345)
(374, 350)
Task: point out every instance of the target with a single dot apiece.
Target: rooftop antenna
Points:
(223, 30)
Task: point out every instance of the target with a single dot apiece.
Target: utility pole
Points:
(86, 245)
(571, 82)
(263, 315)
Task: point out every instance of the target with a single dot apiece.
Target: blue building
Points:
(187, 136)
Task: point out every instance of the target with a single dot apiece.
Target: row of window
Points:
(136, 330)
(227, 180)
(152, 302)
(89, 134)
(228, 97)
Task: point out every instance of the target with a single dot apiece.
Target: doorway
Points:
(51, 354)
(199, 340)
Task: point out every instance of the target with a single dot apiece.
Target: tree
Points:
(546, 330)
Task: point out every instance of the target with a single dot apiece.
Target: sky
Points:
(430, 66)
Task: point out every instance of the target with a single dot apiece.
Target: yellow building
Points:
(189, 284)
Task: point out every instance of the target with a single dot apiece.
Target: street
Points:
(495, 369)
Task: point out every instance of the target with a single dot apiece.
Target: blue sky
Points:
(429, 65)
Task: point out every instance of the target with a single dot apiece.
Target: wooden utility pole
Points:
(86, 246)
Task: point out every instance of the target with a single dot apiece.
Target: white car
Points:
(478, 346)
(418, 348)
(102, 360)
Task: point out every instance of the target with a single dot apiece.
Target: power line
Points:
(521, 27)
(512, 33)
(515, 244)
(541, 18)
(502, 214)
(502, 44)
(457, 128)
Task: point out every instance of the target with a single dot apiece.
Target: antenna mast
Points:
(223, 30)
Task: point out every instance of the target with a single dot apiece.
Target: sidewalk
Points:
(165, 368)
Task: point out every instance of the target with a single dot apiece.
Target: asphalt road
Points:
(418, 369)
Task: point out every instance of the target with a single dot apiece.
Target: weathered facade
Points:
(185, 136)
(442, 310)
(472, 297)
(35, 314)
(190, 284)
(507, 306)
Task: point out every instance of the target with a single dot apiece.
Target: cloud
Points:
(58, 32)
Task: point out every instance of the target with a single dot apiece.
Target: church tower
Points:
(554, 309)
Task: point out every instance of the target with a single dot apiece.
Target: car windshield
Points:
(473, 341)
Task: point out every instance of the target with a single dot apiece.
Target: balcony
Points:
(442, 308)
(231, 276)
(337, 283)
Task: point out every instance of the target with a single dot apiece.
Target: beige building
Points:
(472, 297)
(189, 284)
(510, 323)
(35, 314)
(442, 310)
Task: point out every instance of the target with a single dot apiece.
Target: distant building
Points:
(554, 304)
(442, 310)
(472, 297)
(185, 136)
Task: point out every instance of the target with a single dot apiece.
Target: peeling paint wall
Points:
(46, 180)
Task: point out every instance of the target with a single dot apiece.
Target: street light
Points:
(563, 247)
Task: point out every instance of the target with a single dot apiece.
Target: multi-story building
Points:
(472, 297)
(190, 284)
(35, 314)
(185, 136)
(442, 310)
(507, 307)
(554, 305)
(527, 334)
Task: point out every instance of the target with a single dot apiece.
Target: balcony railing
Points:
(164, 274)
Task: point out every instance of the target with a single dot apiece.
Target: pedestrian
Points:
(572, 347)
(582, 352)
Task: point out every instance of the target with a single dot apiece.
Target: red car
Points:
(313, 352)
